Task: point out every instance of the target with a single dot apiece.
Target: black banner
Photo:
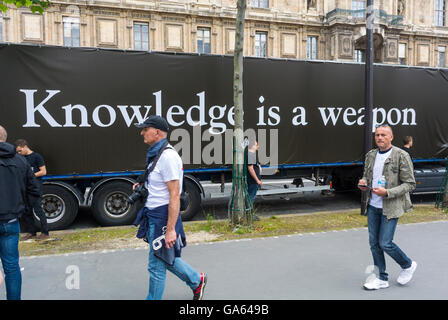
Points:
(77, 107)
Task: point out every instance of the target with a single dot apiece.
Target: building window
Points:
(441, 57)
(259, 3)
(402, 53)
(311, 52)
(359, 6)
(261, 44)
(141, 36)
(360, 56)
(1, 29)
(203, 40)
(71, 31)
(439, 13)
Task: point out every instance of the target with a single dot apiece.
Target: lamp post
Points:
(368, 99)
(368, 92)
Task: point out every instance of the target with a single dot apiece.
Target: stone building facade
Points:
(411, 32)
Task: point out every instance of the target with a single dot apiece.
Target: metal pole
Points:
(368, 98)
(368, 78)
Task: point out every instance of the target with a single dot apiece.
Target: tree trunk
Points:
(240, 208)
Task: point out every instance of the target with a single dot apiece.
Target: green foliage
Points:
(34, 5)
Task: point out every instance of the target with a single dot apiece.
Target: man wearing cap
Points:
(161, 210)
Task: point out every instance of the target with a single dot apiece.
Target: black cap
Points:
(154, 121)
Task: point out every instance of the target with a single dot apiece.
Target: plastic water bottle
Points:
(382, 182)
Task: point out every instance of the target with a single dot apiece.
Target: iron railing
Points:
(442, 196)
(356, 16)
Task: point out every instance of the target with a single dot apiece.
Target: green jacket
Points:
(399, 174)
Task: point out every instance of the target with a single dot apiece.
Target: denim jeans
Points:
(252, 190)
(157, 271)
(381, 234)
(9, 254)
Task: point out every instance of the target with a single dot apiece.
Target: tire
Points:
(194, 203)
(60, 207)
(109, 206)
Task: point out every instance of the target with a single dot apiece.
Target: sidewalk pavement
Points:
(327, 265)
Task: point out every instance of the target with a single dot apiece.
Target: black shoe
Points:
(28, 236)
(43, 236)
(199, 291)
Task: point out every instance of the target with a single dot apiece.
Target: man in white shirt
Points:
(389, 176)
(164, 185)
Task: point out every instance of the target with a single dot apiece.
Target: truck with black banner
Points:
(77, 107)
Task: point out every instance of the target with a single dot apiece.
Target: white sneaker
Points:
(406, 274)
(376, 284)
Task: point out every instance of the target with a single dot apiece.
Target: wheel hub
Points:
(116, 204)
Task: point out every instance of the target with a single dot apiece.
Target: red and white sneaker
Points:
(199, 291)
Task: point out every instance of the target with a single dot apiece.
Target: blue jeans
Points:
(381, 234)
(252, 190)
(157, 271)
(9, 254)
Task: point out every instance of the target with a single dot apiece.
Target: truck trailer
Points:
(78, 106)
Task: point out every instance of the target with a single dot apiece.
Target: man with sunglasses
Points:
(388, 178)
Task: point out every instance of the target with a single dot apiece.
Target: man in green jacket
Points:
(388, 178)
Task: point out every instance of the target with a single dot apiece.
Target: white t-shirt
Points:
(375, 200)
(169, 167)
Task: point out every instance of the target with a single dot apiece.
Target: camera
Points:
(140, 193)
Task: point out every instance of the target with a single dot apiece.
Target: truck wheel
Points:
(110, 207)
(194, 203)
(59, 205)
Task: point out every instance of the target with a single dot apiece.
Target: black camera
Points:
(140, 193)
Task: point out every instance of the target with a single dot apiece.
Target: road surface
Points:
(328, 265)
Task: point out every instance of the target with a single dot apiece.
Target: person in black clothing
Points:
(408, 142)
(19, 191)
(253, 171)
(36, 161)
